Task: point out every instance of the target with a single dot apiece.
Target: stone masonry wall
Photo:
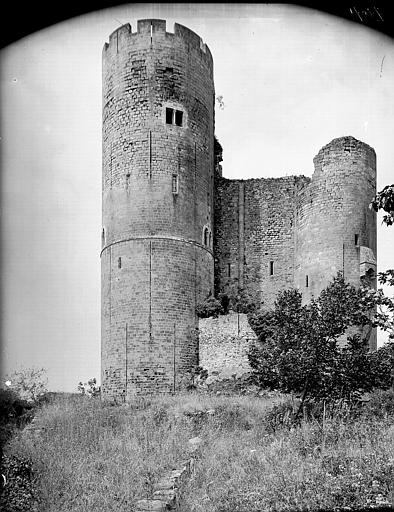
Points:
(254, 236)
(224, 343)
(333, 216)
(334, 226)
(157, 205)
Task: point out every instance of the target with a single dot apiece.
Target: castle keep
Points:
(175, 231)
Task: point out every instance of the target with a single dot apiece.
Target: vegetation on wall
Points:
(209, 307)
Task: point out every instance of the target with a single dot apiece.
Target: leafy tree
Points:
(28, 383)
(299, 346)
(384, 200)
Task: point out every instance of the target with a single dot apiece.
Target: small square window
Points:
(178, 117)
(169, 115)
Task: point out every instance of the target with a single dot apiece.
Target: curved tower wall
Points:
(335, 229)
(158, 164)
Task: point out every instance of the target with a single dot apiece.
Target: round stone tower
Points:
(335, 229)
(157, 193)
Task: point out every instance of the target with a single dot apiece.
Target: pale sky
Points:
(292, 79)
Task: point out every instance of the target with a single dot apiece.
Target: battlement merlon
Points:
(154, 31)
(343, 148)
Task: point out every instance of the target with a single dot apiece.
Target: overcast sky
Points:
(292, 79)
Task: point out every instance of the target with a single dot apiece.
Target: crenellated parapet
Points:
(153, 32)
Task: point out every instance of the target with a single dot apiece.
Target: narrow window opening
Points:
(356, 239)
(229, 269)
(210, 239)
(306, 281)
(119, 262)
(178, 117)
(103, 236)
(169, 115)
(151, 33)
(175, 184)
(206, 236)
(271, 268)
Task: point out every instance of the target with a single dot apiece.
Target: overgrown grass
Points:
(93, 457)
(336, 463)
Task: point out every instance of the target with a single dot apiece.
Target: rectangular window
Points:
(271, 268)
(169, 115)
(178, 117)
(175, 184)
(229, 269)
(356, 239)
(306, 282)
(119, 262)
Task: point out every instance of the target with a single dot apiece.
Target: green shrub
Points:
(380, 404)
(14, 412)
(209, 307)
(28, 383)
(281, 416)
(89, 388)
(19, 493)
(299, 345)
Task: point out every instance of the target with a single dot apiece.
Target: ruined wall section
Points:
(224, 344)
(254, 236)
(157, 204)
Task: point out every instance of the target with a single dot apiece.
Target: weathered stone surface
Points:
(165, 492)
(224, 345)
(163, 485)
(195, 441)
(167, 495)
(150, 506)
(156, 264)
